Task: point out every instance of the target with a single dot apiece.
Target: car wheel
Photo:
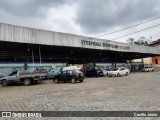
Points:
(81, 81)
(126, 73)
(56, 81)
(73, 80)
(4, 83)
(118, 75)
(27, 82)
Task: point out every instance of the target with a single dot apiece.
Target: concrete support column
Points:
(25, 65)
(66, 61)
(115, 63)
(142, 61)
(25, 62)
(130, 61)
(94, 63)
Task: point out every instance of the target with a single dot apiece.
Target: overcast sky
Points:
(84, 17)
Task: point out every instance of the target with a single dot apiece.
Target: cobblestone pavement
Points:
(136, 92)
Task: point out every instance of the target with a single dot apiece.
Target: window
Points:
(115, 69)
(14, 73)
(69, 72)
(122, 69)
(156, 61)
(64, 73)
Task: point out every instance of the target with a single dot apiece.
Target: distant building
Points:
(147, 61)
(156, 44)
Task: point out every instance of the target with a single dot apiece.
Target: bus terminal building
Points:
(23, 45)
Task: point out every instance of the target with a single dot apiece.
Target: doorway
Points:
(156, 61)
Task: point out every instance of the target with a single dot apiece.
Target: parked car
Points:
(25, 77)
(94, 73)
(51, 74)
(69, 75)
(71, 68)
(105, 72)
(121, 71)
(148, 69)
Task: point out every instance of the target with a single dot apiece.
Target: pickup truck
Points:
(25, 77)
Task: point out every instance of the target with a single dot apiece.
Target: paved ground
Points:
(140, 91)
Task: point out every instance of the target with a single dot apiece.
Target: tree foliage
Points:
(140, 41)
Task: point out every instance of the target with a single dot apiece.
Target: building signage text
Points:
(102, 44)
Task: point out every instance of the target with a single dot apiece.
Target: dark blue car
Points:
(94, 73)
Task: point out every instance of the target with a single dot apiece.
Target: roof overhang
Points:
(17, 42)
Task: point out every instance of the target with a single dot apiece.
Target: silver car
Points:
(121, 71)
(148, 69)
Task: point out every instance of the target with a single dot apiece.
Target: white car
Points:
(121, 71)
(71, 68)
(148, 69)
(105, 72)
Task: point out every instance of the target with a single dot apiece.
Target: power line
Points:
(136, 32)
(129, 27)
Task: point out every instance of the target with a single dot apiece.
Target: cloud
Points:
(28, 8)
(29, 13)
(63, 19)
(102, 15)
(85, 17)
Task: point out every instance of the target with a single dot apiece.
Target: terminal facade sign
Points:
(104, 44)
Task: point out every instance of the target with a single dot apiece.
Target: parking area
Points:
(138, 91)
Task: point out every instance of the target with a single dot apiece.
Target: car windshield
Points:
(57, 71)
(100, 71)
(77, 71)
(13, 73)
(115, 69)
